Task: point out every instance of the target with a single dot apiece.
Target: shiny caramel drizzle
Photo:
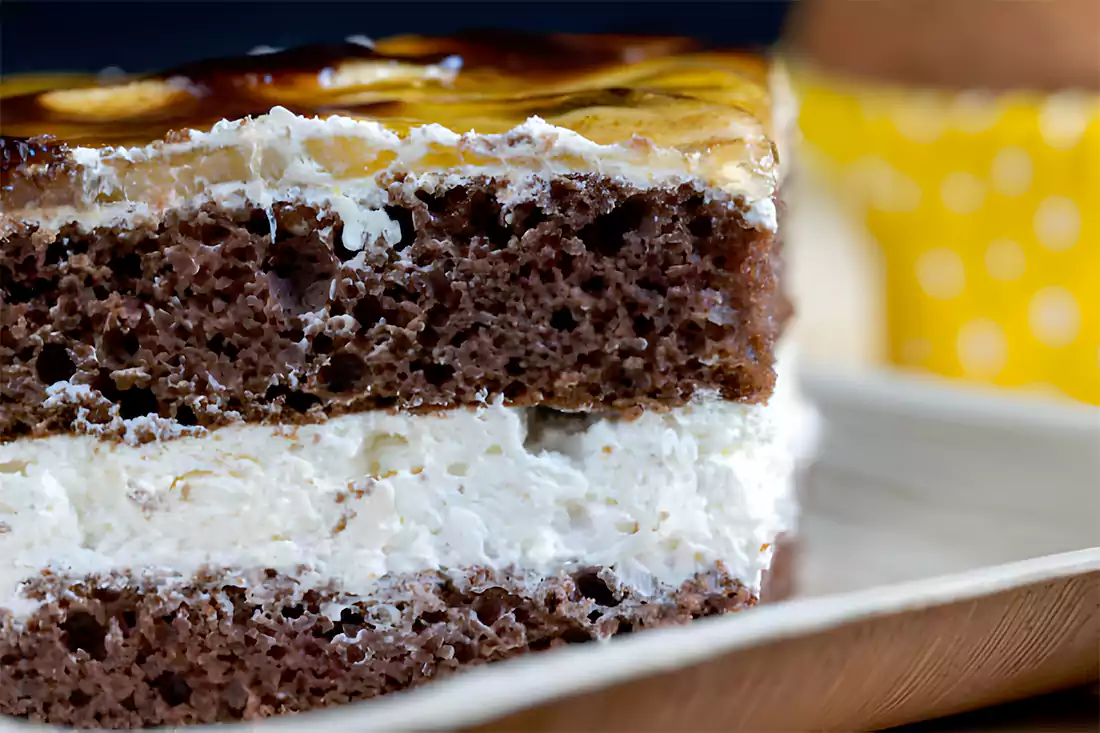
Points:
(607, 88)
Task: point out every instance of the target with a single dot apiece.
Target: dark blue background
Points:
(144, 36)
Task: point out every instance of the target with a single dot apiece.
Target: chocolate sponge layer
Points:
(591, 295)
(115, 653)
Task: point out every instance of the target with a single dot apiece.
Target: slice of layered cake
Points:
(328, 372)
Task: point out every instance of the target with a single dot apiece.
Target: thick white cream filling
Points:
(658, 498)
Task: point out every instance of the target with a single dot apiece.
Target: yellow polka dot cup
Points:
(986, 208)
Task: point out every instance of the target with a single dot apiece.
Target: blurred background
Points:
(954, 149)
(143, 36)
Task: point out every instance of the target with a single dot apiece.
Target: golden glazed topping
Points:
(645, 102)
(599, 86)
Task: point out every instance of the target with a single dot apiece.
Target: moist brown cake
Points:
(333, 371)
(609, 316)
(293, 650)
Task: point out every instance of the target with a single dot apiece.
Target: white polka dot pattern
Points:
(1057, 223)
(891, 190)
(1054, 316)
(919, 117)
(983, 348)
(1012, 171)
(1064, 118)
(941, 273)
(976, 112)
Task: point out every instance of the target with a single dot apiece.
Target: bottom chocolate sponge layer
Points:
(118, 653)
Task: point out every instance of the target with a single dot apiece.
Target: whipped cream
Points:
(344, 163)
(659, 498)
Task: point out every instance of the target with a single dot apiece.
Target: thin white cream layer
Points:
(344, 164)
(659, 498)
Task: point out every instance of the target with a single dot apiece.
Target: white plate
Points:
(937, 478)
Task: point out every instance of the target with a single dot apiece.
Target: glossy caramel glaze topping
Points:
(486, 82)
(710, 109)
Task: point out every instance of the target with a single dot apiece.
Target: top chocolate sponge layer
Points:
(603, 237)
(592, 296)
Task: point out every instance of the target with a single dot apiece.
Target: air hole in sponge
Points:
(342, 253)
(527, 217)
(105, 385)
(563, 320)
(301, 270)
(592, 587)
(137, 402)
(438, 374)
(351, 616)
(17, 292)
(605, 235)
(55, 364)
(368, 312)
(576, 636)
(128, 266)
(594, 285)
(492, 604)
(186, 416)
(120, 345)
(173, 689)
(701, 227)
(57, 251)
(220, 345)
(435, 204)
(297, 401)
(302, 401)
(643, 326)
(342, 372)
(84, 633)
(515, 390)
(293, 612)
(485, 218)
(565, 264)
(654, 285)
(404, 219)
